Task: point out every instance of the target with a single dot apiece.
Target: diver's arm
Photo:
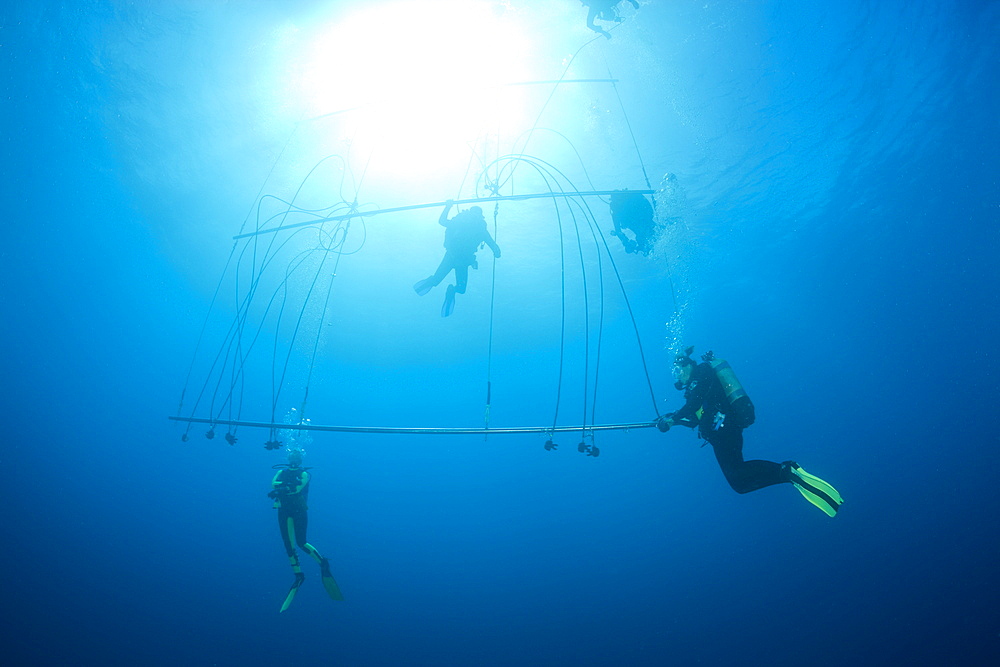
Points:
(694, 398)
(686, 416)
(443, 220)
(690, 421)
(303, 480)
(675, 419)
(283, 488)
(493, 245)
(276, 489)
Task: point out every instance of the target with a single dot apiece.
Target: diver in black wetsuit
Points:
(463, 236)
(290, 493)
(605, 10)
(716, 403)
(630, 211)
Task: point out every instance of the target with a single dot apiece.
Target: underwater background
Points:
(829, 226)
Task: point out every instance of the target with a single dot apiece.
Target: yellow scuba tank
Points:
(742, 406)
(734, 390)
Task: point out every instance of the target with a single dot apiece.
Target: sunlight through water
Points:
(418, 81)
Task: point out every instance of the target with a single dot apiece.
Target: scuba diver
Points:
(464, 235)
(290, 493)
(717, 404)
(631, 211)
(606, 10)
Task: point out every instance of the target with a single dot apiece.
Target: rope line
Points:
(489, 347)
(621, 283)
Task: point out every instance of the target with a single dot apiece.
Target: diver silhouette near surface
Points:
(290, 493)
(605, 10)
(632, 212)
(718, 406)
(464, 235)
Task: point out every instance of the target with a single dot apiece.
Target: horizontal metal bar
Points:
(438, 204)
(393, 430)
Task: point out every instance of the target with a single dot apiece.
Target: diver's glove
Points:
(665, 422)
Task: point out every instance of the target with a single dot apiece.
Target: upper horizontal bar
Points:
(417, 430)
(499, 85)
(437, 204)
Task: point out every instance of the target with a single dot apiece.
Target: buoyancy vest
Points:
(291, 479)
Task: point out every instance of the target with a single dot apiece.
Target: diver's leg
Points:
(442, 270)
(287, 525)
(286, 522)
(643, 240)
(591, 15)
(744, 476)
(301, 523)
(424, 286)
(329, 583)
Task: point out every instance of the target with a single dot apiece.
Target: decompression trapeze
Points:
(560, 188)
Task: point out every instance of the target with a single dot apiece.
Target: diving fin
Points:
(815, 490)
(424, 286)
(329, 583)
(448, 307)
(299, 578)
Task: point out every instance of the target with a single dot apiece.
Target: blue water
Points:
(835, 237)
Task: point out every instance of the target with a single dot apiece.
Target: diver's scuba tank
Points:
(742, 413)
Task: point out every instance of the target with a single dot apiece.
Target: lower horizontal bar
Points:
(417, 430)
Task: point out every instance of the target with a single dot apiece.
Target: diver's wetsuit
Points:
(631, 210)
(292, 487)
(606, 10)
(462, 237)
(722, 424)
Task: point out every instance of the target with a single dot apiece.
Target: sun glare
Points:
(420, 77)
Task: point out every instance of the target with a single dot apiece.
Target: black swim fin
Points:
(424, 286)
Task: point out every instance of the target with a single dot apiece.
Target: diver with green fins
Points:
(290, 493)
(716, 403)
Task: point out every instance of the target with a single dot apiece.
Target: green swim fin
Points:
(815, 490)
(299, 578)
(329, 583)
